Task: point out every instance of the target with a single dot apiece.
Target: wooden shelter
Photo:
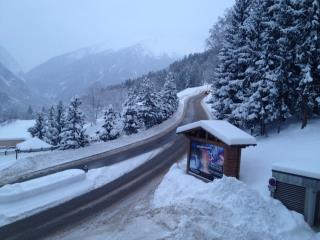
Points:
(215, 148)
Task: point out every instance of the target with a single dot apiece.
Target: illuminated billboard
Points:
(206, 160)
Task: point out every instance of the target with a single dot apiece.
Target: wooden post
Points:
(189, 153)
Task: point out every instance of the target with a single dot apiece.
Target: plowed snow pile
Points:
(187, 208)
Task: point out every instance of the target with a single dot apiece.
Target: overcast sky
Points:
(36, 30)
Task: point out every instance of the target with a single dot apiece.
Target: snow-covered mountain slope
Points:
(12, 88)
(15, 96)
(10, 63)
(66, 75)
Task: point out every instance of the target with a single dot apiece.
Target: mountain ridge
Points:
(71, 73)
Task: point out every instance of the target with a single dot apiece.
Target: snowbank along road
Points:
(80, 207)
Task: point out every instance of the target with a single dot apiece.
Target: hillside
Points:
(66, 75)
(10, 63)
(15, 96)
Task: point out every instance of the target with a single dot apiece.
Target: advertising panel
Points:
(206, 160)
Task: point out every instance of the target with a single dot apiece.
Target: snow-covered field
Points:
(295, 147)
(23, 199)
(27, 163)
(16, 129)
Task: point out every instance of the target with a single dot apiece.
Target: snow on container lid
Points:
(309, 168)
(223, 130)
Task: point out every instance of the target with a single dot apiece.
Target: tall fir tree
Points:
(169, 97)
(111, 125)
(228, 88)
(308, 60)
(60, 121)
(261, 91)
(131, 122)
(38, 130)
(51, 131)
(73, 134)
(149, 105)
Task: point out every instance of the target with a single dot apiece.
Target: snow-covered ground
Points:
(16, 129)
(293, 146)
(187, 208)
(184, 207)
(27, 163)
(23, 199)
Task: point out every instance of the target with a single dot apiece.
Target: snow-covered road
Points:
(28, 163)
(20, 200)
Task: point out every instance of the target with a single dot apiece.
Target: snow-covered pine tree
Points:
(230, 74)
(131, 123)
(169, 96)
(38, 130)
(258, 107)
(308, 60)
(285, 71)
(73, 134)
(60, 121)
(149, 105)
(217, 32)
(50, 128)
(111, 125)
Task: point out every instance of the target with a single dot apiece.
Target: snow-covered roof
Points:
(309, 168)
(223, 130)
(33, 143)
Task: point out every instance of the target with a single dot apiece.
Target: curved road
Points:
(51, 220)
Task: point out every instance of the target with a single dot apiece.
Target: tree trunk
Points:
(305, 113)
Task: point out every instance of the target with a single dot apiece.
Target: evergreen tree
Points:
(51, 131)
(149, 105)
(228, 89)
(260, 87)
(73, 134)
(110, 126)
(38, 130)
(269, 66)
(285, 71)
(169, 97)
(60, 121)
(130, 113)
(308, 60)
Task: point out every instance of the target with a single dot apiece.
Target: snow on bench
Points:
(223, 130)
(20, 191)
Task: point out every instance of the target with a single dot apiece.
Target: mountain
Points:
(10, 63)
(66, 75)
(15, 95)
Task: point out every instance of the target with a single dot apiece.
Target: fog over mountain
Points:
(15, 95)
(63, 76)
(9, 62)
(37, 30)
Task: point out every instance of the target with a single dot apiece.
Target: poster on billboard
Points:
(206, 160)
